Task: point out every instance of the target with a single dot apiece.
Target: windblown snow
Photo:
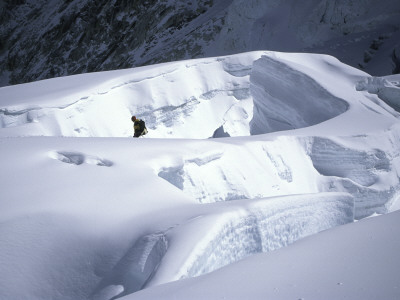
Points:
(245, 154)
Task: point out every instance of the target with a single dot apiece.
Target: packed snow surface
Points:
(245, 154)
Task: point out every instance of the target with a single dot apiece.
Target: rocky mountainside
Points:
(42, 39)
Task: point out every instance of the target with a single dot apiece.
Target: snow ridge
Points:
(259, 226)
(237, 231)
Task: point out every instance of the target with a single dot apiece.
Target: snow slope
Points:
(245, 154)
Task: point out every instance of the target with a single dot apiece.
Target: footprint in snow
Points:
(77, 158)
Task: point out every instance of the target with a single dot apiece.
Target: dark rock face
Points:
(42, 39)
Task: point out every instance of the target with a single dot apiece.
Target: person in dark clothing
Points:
(139, 126)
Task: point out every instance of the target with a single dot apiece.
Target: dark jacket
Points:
(140, 127)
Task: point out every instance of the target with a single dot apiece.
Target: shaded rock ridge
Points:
(85, 36)
(41, 39)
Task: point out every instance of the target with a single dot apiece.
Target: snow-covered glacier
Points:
(245, 154)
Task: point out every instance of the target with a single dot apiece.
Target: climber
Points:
(139, 126)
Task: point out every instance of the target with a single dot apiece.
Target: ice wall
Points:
(364, 166)
(259, 169)
(244, 228)
(283, 96)
(219, 234)
(367, 169)
(387, 88)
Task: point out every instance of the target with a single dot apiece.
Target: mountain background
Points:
(42, 39)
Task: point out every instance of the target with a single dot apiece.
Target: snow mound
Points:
(202, 95)
(238, 95)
